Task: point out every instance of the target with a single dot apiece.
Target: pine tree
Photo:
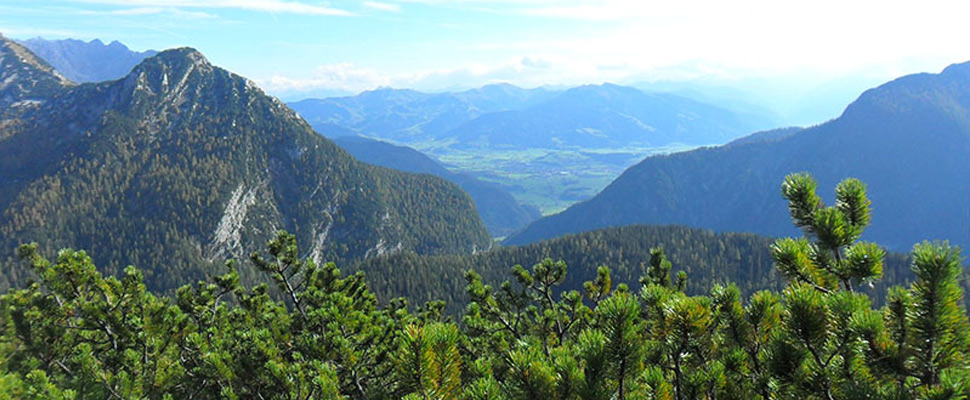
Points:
(821, 351)
(428, 364)
(939, 327)
(830, 256)
(618, 317)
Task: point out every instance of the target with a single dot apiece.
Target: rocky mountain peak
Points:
(183, 79)
(170, 70)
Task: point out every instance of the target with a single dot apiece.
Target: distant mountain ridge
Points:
(404, 115)
(91, 61)
(504, 116)
(604, 116)
(500, 212)
(182, 164)
(908, 140)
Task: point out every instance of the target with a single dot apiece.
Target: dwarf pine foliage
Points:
(317, 333)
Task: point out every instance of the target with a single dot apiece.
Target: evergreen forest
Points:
(818, 332)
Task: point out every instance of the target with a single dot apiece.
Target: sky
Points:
(777, 49)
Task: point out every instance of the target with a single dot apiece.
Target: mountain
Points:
(91, 61)
(908, 140)
(601, 117)
(182, 164)
(500, 212)
(27, 78)
(406, 115)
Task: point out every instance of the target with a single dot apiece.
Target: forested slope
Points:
(182, 165)
(708, 258)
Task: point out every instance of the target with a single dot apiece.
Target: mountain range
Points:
(409, 116)
(92, 61)
(807, 101)
(908, 140)
(175, 115)
(181, 165)
(601, 117)
(504, 116)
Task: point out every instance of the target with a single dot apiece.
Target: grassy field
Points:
(550, 180)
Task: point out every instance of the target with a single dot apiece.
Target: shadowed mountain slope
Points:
(908, 140)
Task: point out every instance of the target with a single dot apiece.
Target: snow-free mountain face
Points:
(908, 140)
(181, 165)
(92, 61)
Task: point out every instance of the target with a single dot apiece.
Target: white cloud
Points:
(521, 71)
(275, 6)
(760, 36)
(128, 11)
(590, 12)
(536, 42)
(382, 6)
(150, 11)
(24, 32)
(345, 77)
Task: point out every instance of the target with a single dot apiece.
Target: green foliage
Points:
(830, 257)
(939, 328)
(76, 334)
(835, 345)
(618, 319)
(428, 362)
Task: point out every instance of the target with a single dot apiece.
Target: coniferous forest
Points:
(317, 333)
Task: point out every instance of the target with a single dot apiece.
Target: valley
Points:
(548, 179)
(548, 148)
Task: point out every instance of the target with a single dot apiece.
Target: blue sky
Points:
(296, 48)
